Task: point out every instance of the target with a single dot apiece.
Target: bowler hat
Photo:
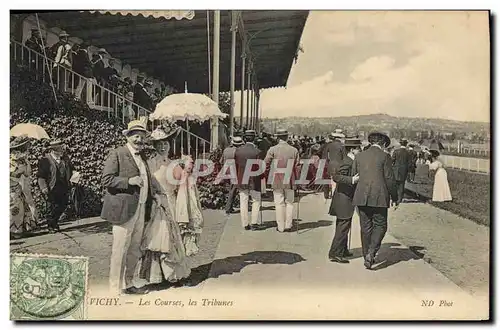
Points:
(337, 134)
(134, 126)
(434, 152)
(385, 137)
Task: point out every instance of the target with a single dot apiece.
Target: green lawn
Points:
(470, 192)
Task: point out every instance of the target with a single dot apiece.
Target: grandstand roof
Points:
(176, 50)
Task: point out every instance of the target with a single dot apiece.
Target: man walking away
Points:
(412, 166)
(243, 155)
(229, 155)
(283, 179)
(375, 188)
(401, 160)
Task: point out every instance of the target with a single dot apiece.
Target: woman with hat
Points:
(441, 190)
(22, 205)
(164, 255)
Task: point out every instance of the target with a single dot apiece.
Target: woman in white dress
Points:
(441, 191)
(188, 207)
(163, 253)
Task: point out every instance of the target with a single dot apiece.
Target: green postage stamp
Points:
(48, 287)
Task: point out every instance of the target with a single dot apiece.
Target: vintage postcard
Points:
(249, 165)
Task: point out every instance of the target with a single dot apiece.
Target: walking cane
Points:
(298, 210)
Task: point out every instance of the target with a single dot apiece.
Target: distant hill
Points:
(396, 126)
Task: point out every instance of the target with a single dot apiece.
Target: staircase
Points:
(100, 98)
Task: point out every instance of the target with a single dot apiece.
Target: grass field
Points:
(470, 192)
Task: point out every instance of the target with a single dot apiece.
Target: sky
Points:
(411, 64)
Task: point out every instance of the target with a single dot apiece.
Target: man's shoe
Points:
(340, 260)
(288, 230)
(134, 290)
(368, 262)
(348, 254)
(51, 230)
(248, 227)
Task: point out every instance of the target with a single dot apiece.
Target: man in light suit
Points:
(375, 188)
(128, 202)
(284, 160)
(249, 185)
(401, 159)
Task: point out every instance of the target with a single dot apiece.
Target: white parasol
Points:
(187, 106)
(30, 130)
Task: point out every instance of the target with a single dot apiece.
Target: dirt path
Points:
(457, 247)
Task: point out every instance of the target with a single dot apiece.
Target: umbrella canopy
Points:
(187, 106)
(30, 130)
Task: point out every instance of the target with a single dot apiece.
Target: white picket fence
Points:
(467, 163)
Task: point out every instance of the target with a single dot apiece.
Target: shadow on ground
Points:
(391, 254)
(231, 265)
(92, 228)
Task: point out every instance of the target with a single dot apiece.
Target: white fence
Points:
(467, 163)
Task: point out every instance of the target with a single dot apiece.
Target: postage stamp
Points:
(48, 287)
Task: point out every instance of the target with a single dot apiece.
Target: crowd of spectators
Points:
(93, 71)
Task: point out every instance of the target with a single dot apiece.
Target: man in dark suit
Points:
(412, 166)
(54, 174)
(333, 151)
(127, 205)
(227, 156)
(400, 161)
(375, 188)
(249, 185)
(341, 206)
(141, 95)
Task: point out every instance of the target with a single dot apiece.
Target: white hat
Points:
(162, 133)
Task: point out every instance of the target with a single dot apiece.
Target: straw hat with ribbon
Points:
(135, 126)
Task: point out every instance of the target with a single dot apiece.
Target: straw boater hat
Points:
(19, 141)
(63, 34)
(337, 134)
(281, 132)
(237, 141)
(163, 133)
(387, 140)
(134, 126)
